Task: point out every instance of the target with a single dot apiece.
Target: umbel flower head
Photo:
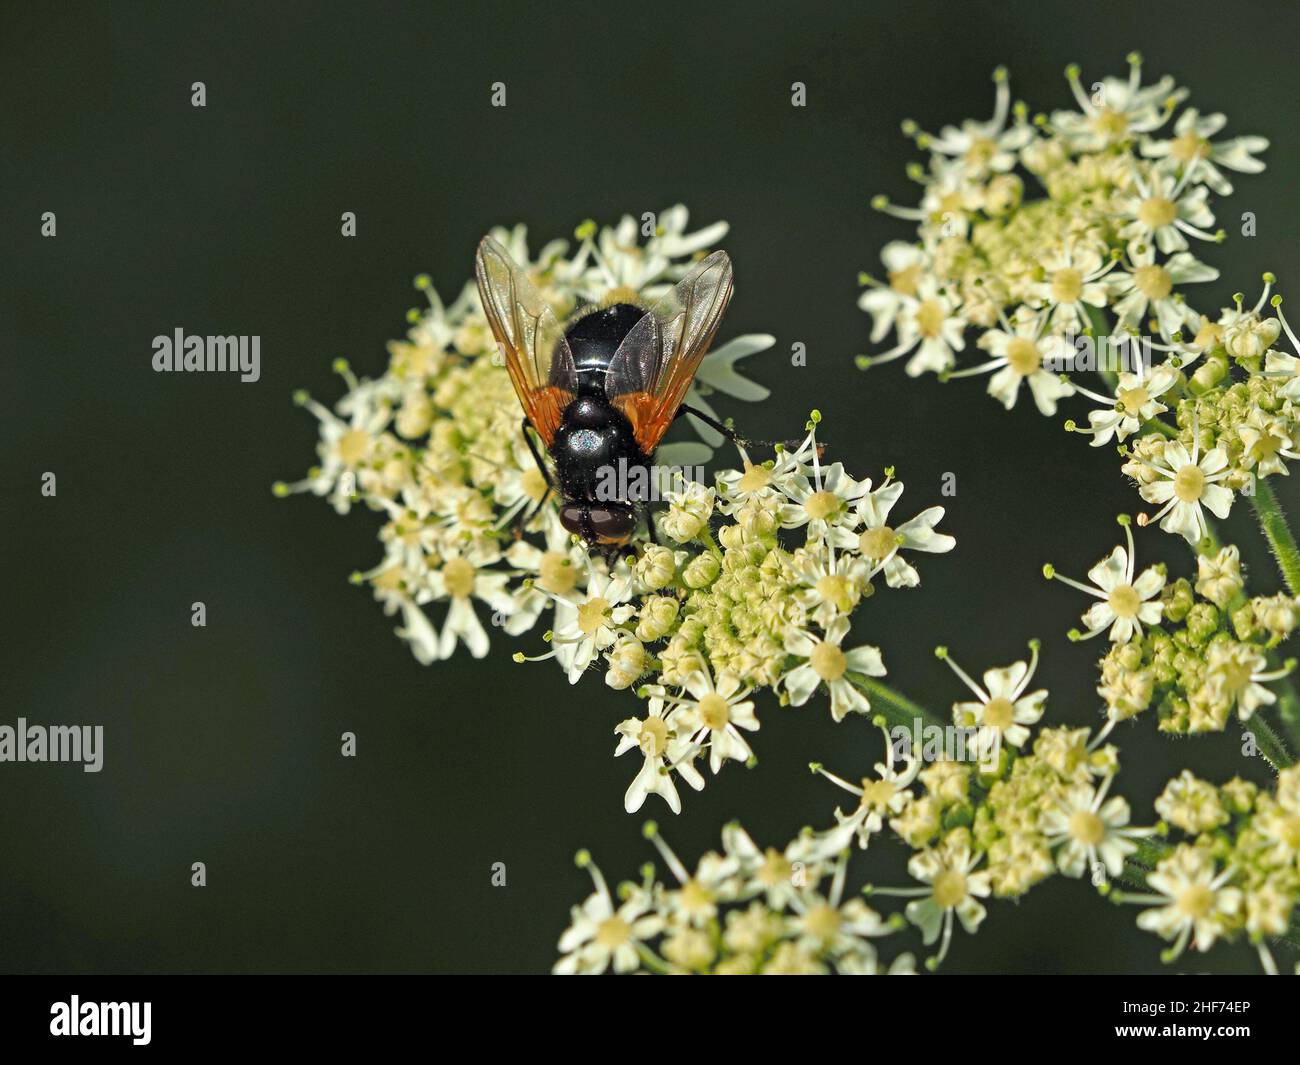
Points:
(741, 911)
(751, 585)
(1236, 873)
(984, 827)
(757, 591)
(433, 445)
(1028, 227)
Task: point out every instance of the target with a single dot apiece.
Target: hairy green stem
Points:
(1272, 522)
(1270, 743)
(895, 707)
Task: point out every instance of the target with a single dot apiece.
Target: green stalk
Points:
(1272, 522)
(895, 707)
(1100, 328)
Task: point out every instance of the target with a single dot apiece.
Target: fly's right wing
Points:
(652, 370)
(537, 355)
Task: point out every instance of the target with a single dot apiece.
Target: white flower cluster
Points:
(434, 444)
(742, 911)
(985, 827)
(731, 609)
(1237, 872)
(1121, 187)
(695, 628)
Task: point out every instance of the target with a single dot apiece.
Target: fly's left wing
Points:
(650, 373)
(538, 357)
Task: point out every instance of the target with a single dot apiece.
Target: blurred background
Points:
(222, 743)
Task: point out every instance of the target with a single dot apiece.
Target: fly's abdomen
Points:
(594, 448)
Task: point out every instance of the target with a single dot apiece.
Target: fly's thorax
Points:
(593, 441)
(594, 338)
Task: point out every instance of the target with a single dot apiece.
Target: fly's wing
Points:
(650, 373)
(537, 354)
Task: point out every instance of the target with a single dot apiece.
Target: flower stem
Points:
(1272, 522)
(893, 706)
(1270, 745)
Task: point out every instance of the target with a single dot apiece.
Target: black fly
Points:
(601, 392)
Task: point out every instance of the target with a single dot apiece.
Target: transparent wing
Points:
(530, 337)
(650, 373)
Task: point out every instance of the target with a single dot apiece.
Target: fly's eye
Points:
(612, 524)
(571, 517)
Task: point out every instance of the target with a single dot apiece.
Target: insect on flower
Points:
(601, 391)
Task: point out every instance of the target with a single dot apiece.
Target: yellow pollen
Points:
(1266, 446)
(1196, 902)
(1235, 676)
(929, 319)
(557, 574)
(1189, 146)
(410, 528)
(613, 932)
(1189, 483)
(755, 477)
(1157, 212)
(828, 661)
(352, 446)
(822, 921)
(904, 281)
(1087, 827)
(1110, 124)
(1067, 285)
(592, 615)
(695, 896)
(1289, 833)
(1124, 601)
(981, 152)
(1023, 356)
(1154, 282)
(653, 738)
(821, 505)
(1133, 399)
(533, 483)
(953, 203)
(948, 889)
(999, 713)
(775, 869)
(877, 543)
(878, 793)
(836, 590)
(1209, 335)
(714, 711)
(458, 578)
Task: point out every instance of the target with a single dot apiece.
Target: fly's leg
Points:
(712, 423)
(735, 437)
(650, 523)
(537, 455)
(528, 513)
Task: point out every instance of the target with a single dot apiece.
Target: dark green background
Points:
(222, 743)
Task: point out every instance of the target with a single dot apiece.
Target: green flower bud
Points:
(1178, 599)
(701, 571)
(656, 567)
(657, 616)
